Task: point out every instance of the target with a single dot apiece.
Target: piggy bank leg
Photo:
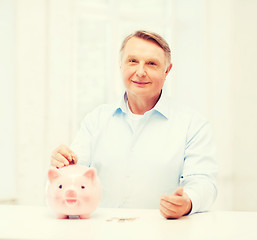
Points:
(84, 216)
(62, 216)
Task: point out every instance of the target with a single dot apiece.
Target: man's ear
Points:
(168, 69)
(53, 174)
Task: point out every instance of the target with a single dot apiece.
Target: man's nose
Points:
(141, 71)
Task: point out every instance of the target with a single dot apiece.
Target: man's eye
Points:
(60, 186)
(132, 60)
(152, 63)
(83, 187)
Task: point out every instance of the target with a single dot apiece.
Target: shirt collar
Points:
(162, 106)
(120, 106)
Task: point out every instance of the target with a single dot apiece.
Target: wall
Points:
(244, 95)
(7, 101)
(213, 54)
(31, 95)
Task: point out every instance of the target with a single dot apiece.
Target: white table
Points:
(37, 222)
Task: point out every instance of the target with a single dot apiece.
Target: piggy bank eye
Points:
(60, 186)
(82, 187)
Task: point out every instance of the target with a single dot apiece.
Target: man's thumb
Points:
(179, 191)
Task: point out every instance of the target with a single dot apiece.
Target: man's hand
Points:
(175, 205)
(63, 156)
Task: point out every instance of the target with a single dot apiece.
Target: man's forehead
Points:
(137, 45)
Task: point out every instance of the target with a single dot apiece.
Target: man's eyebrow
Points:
(147, 59)
(131, 56)
(153, 60)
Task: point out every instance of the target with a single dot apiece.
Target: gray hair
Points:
(149, 36)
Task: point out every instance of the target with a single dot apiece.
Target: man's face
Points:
(144, 68)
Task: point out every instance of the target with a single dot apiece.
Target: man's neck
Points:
(141, 104)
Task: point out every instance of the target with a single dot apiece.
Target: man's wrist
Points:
(189, 206)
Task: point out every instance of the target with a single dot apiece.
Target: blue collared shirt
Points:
(139, 159)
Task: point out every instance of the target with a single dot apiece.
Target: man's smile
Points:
(139, 82)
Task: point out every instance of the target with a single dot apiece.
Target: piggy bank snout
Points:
(71, 193)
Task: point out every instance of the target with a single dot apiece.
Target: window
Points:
(101, 25)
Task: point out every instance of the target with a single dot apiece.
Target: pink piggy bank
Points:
(73, 191)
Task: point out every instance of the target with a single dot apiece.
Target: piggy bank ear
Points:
(90, 173)
(53, 174)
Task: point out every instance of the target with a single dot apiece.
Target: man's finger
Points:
(167, 213)
(176, 200)
(59, 157)
(179, 191)
(66, 153)
(169, 205)
(56, 163)
(74, 158)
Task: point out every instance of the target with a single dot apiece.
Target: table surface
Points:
(39, 222)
